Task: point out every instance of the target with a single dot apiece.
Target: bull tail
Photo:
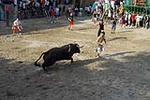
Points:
(36, 62)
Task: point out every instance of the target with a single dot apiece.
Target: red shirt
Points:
(52, 13)
(133, 17)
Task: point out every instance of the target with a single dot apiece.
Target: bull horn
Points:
(81, 46)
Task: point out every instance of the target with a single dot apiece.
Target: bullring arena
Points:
(121, 73)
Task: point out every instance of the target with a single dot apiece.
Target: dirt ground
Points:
(122, 73)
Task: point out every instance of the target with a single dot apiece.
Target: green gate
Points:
(129, 7)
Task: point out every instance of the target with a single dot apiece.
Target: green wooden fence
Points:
(137, 9)
(129, 7)
(129, 2)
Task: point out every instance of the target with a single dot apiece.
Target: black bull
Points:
(58, 53)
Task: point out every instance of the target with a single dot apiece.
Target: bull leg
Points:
(47, 64)
(44, 68)
(44, 65)
(71, 60)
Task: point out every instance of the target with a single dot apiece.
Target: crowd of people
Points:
(38, 8)
(114, 13)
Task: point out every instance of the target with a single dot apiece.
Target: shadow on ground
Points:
(117, 38)
(125, 31)
(91, 79)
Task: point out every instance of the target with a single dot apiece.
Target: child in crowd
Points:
(100, 41)
(16, 26)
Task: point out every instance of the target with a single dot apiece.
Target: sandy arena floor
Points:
(122, 73)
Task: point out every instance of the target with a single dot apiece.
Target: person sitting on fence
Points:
(16, 26)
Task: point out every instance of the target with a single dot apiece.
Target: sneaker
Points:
(98, 55)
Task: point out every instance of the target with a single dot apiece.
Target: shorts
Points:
(100, 48)
(99, 32)
(70, 22)
(15, 28)
(133, 22)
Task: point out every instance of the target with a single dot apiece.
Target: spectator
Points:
(147, 22)
(133, 18)
(71, 21)
(114, 23)
(76, 10)
(47, 7)
(57, 12)
(137, 20)
(121, 10)
(129, 19)
(52, 14)
(16, 26)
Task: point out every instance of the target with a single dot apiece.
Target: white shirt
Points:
(109, 13)
(113, 4)
(129, 16)
(107, 1)
(15, 2)
(141, 17)
(16, 22)
(57, 10)
(46, 2)
(137, 18)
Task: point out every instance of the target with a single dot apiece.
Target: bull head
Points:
(74, 48)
